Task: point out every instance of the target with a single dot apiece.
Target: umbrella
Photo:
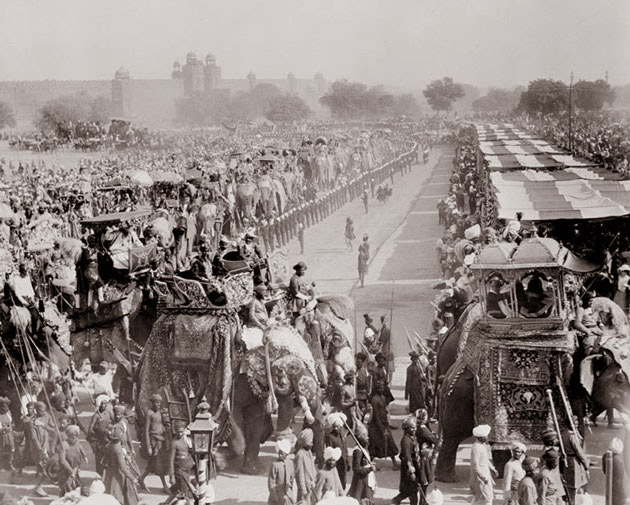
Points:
(172, 177)
(140, 177)
(5, 211)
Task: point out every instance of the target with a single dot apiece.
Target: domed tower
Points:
(251, 79)
(212, 73)
(177, 71)
(292, 83)
(320, 83)
(121, 95)
(193, 75)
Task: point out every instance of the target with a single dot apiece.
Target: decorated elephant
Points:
(462, 361)
(288, 362)
(247, 197)
(206, 217)
(327, 328)
(272, 195)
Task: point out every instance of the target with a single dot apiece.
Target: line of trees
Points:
(264, 100)
(354, 100)
(76, 107)
(6, 116)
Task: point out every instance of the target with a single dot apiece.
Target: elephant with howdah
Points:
(189, 356)
(608, 387)
(287, 360)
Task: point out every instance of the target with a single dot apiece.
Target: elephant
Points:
(292, 371)
(609, 386)
(326, 326)
(247, 198)
(206, 216)
(192, 356)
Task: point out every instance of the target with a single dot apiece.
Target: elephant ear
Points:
(587, 373)
(619, 348)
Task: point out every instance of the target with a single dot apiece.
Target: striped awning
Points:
(523, 161)
(559, 195)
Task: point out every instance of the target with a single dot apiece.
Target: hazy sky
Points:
(396, 42)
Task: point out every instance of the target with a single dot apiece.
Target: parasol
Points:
(139, 177)
(5, 211)
(171, 177)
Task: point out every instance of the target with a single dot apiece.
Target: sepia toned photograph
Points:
(314, 253)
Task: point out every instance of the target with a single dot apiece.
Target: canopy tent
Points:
(520, 161)
(553, 197)
(497, 148)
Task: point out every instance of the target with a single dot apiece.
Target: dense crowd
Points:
(601, 137)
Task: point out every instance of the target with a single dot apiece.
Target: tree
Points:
(441, 94)
(345, 100)
(406, 105)
(6, 115)
(498, 100)
(77, 107)
(544, 96)
(252, 104)
(287, 109)
(592, 95)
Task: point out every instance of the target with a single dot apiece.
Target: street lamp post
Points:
(202, 437)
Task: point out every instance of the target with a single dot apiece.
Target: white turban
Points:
(519, 445)
(332, 453)
(97, 487)
(100, 399)
(616, 446)
(284, 446)
(337, 419)
(483, 430)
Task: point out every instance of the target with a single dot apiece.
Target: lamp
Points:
(202, 430)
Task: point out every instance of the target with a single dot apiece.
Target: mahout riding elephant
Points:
(608, 386)
(247, 197)
(288, 361)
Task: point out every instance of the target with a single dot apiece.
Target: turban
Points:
(97, 487)
(616, 446)
(409, 422)
(519, 445)
(73, 429)
(337, 419)
(551, 456)
(529, 463)
(360, 430)
(40, 406)
(549, 436)
(305, 437)
(422, 415)
(156, 397)
(483, 430)
(332, 453)
(284, 446)
(101, 398)
(119, 409)
(4, 400)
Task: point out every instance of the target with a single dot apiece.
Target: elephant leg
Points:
(456, 420)
(447, 457)
(285, 414)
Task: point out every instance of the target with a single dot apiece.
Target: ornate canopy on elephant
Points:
(190, 356)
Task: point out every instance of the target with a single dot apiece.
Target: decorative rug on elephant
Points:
(238, 288)
(510, 392)
(190, 355)
(284, 341)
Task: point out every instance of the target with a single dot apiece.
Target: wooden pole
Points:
(608, 463)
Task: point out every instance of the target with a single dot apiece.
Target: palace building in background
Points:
(151, 102)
